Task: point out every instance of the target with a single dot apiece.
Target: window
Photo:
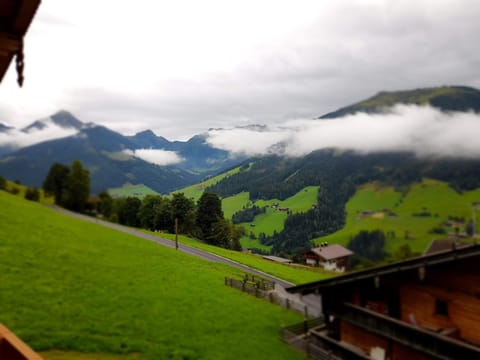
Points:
(441, 307)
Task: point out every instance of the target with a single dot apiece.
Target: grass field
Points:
(71, 285)
(431, 196)
(19, 190)
(195, 191)
(272, 220)
(232, 204)
(139, 191)
(282, 271)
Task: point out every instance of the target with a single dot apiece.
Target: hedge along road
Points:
(182, 247)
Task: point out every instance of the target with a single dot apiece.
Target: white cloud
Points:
(18, 139)
(180, 67)
(420, 129)
(156, 156)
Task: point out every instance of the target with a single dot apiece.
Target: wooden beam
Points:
(24, 17)
(10, 43)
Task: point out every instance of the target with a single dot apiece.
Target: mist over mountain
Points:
(428, 122)
(431, 124)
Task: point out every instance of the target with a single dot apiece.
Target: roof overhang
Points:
(15, 18)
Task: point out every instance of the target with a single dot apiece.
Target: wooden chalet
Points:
(422, 308)
(15, 18)
(330, 257)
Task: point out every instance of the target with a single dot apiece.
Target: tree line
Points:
(70, 187)
(204, 220)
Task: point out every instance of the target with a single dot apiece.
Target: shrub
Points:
(32, 194)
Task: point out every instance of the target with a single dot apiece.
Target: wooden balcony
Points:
(427, 342)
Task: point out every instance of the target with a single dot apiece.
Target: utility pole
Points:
(176, 233)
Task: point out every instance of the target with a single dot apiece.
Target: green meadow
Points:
(19, 190)
(127, 190)
(73, 288)
(429, 196)
(273, 219)
(195, 191)
(286, 272)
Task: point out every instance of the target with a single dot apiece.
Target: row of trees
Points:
(70, 186)
(204, 220)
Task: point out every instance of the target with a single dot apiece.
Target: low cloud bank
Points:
(156, 156)
(17, 139)
(420, 129)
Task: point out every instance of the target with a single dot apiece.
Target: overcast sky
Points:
(181, 67)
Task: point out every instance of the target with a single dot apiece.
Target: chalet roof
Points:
(15, 18)
(396, 267)
(444, 245)
(331, 252)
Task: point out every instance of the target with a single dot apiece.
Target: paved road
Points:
(182, 247)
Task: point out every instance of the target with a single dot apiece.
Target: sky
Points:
(182, 67)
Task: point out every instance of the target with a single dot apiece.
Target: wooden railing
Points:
(12, 348)
(438, 346)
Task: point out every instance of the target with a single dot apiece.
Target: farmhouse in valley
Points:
(422, 308)
(330, 257)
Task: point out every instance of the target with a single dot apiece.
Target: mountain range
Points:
(109, 156)
(115, 159)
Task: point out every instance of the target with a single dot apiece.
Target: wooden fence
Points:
(263, 289)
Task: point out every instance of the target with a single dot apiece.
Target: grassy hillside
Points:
(71, 285)
(446, 98)
(126, 190)
(273, 219)
(292, 274)
(196, 190)
(429, 197)
(19, 190)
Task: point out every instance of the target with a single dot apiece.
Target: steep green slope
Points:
(73, 285)
(273, 219)
(446, 98)
(127, 190)
(427, 205)
(196, 190)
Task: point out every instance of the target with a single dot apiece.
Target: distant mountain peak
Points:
(145, 133)
(62, 118)
(5, 128)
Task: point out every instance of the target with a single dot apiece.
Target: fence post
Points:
(287, 303)
(306, 311)
(270, 297)
(243, 286)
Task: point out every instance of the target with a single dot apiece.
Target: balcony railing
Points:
(438, 346)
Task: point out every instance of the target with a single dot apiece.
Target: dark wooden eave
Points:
(415, 263)
(15, 18)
